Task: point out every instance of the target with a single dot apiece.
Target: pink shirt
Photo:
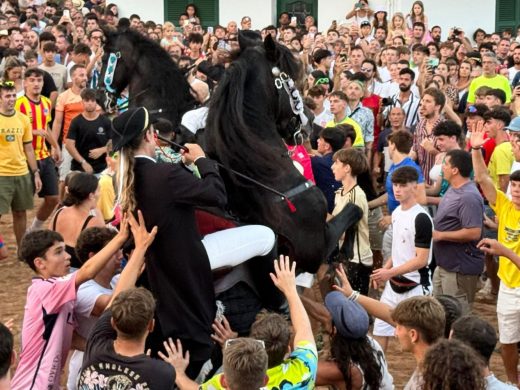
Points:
(48, 323)
(299, 154)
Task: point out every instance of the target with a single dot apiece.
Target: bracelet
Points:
(473, 148)
(354, 296)
(81, 162)
(36, 171)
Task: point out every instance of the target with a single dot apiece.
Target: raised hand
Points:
(175, 357)
(142, 237)
(285, 275)
(478, 135)
(222, 331)
(345, 287)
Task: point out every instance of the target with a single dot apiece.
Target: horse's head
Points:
(287, 73)
(118, 63)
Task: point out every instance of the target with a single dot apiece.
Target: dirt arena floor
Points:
(15, 277)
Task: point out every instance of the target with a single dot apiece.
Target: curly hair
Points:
(359, 351)
(450, 364)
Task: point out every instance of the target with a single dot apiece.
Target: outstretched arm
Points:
(285, 279)
(373, 307)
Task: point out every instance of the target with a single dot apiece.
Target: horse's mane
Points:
(167, 86)
(241, 130)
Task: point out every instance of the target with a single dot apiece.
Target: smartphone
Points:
(293, 20)
(210, 30)
(186, 22)
(343, 57)
(66, 13)
(433, 62)
(359, 5)
(179, 29)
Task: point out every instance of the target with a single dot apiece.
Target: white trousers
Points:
(231, 247)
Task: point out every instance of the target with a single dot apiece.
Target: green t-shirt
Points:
(497, 82)
(298, 371)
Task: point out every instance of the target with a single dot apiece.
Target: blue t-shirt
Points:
(322, 170)
(392, 202)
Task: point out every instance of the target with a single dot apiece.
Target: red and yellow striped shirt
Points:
(40, 115)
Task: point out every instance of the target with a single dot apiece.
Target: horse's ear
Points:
(270, 48)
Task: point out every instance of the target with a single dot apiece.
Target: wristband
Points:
(473, 148)
(81, 162)
(354, 296)
(36, 171)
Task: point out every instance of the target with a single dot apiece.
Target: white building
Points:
(490, 15)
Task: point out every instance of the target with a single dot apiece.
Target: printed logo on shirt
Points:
(110, 376)
(512, 235)
(9, 138)
(101, 130)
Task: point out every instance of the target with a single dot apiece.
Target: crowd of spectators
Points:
(417, 126)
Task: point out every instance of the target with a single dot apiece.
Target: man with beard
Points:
(432, 103)
(435, 33)
(513, 71)
(406, 99)
(17, 43)
(68, 106)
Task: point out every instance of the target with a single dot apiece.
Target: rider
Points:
(180, 262)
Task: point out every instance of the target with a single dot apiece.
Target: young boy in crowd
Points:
(48, 323)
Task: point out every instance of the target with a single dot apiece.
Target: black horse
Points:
(250, 117)
(152, 78)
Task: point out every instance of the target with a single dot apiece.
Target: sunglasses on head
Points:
(8, 84)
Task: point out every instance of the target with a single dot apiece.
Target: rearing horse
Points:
(249, 118)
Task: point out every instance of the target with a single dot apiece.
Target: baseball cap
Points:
(514, 125)
(4, 33)
(349, 317)
(364, 23)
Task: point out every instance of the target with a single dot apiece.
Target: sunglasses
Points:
(7, 84)
(323, 80)
(232, 341)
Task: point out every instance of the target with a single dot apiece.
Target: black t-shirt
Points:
(90, 134)
(109, 370)
(49, 86)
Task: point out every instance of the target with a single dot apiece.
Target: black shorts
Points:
(49, 177)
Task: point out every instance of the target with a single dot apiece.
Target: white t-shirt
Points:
(512, 73)
(87, 295)
(323, 118)
(195, 120)
(514, 167)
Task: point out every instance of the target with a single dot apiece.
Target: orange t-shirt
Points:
(71, 105)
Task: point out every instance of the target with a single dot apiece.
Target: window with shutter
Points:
(298, 8)
(507, 15)
(207, 9)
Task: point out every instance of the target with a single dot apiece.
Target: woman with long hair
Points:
(416, 15)
(79, 211)
(356, 360)
(13, 72)
(380, 19)
(464, 78)
(180, 263)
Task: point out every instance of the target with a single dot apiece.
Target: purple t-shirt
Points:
(460, 208)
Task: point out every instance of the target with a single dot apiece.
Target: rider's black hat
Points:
(127, 126)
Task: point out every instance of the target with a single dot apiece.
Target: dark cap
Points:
(349, 317)
(364, 23)
(474, 55)
(127, 126)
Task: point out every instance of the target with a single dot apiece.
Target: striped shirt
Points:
(39, 114)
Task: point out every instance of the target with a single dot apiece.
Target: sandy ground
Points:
(15, 278)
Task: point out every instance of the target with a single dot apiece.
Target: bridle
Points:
(108, 90)
(283, 81)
